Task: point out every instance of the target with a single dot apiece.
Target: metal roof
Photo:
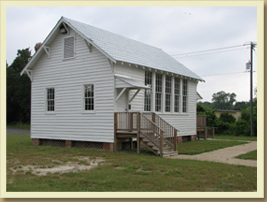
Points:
(127, 50)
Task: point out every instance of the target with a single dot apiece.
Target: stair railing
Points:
(170, 134)
(128, 121)
(151, 131)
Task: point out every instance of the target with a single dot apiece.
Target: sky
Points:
(219, 35)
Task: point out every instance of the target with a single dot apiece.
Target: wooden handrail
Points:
(152, 122)
(131, 122)
(165, 121)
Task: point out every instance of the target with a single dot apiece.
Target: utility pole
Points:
(251, 88)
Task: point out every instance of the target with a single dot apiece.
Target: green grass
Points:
(201, 146)
(125, 171)
(231, 137)
(20, 126)
(250, 155)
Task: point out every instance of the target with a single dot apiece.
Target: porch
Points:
(145, 128)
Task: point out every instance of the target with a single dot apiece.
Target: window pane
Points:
(88, 97)
(177, 94)
(184, 104)
(158, 92)
(168, 90)
(50, 101)
(185, 95)
(148, 92)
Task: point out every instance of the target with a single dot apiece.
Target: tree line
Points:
(227, 123)
(18, 90)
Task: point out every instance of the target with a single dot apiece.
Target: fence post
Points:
(161, 143)
(115, 131)
(206, 133)
(138, 133)
(175, 140)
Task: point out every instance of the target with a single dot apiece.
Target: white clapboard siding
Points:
(184, 122)
(139, 75)
(68, 76)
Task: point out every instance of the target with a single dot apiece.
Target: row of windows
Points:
(168, 93)
(88, 98)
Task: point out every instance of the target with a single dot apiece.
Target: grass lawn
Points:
(20, 126)
(250, 155)
(121, 171)
(232, 137)
(201, 146)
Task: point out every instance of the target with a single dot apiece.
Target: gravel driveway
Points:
(226, 155)
(14, 131)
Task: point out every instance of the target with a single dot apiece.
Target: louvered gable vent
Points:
(69, 47)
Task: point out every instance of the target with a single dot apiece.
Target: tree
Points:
(207, 104)
(18, 89)
(241, 105)
(223, 100)
(227, 118)
(245, 120)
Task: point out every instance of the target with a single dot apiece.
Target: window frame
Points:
(47, 100)
(84, 98)
(148, 81)
(168, 93)
(158, 94)
(74, 49)
(177, 92)
(185, 96)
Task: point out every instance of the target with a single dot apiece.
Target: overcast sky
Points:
(176, 30)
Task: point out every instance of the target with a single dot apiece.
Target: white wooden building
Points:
(87, 84)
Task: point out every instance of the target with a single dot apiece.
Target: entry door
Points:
(122, 102)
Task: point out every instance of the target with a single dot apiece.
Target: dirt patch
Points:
(83, 163)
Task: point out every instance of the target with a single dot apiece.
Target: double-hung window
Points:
(168, 91)
(147, 100)
(69, 47)
(185, 95)
(158, 92)
(88, 97)
(176, 94)
(50, 99)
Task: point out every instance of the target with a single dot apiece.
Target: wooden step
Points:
(151, 144)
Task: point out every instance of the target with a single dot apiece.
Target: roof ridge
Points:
(112, 33)
(125, 49)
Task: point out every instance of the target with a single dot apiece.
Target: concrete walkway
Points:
(226, 155)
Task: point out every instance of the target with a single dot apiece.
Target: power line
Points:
(186, 56)
(224, 74)
(210, 50)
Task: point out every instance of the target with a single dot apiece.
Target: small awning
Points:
(123, 81)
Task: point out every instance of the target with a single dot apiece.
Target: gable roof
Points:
(119, 48)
